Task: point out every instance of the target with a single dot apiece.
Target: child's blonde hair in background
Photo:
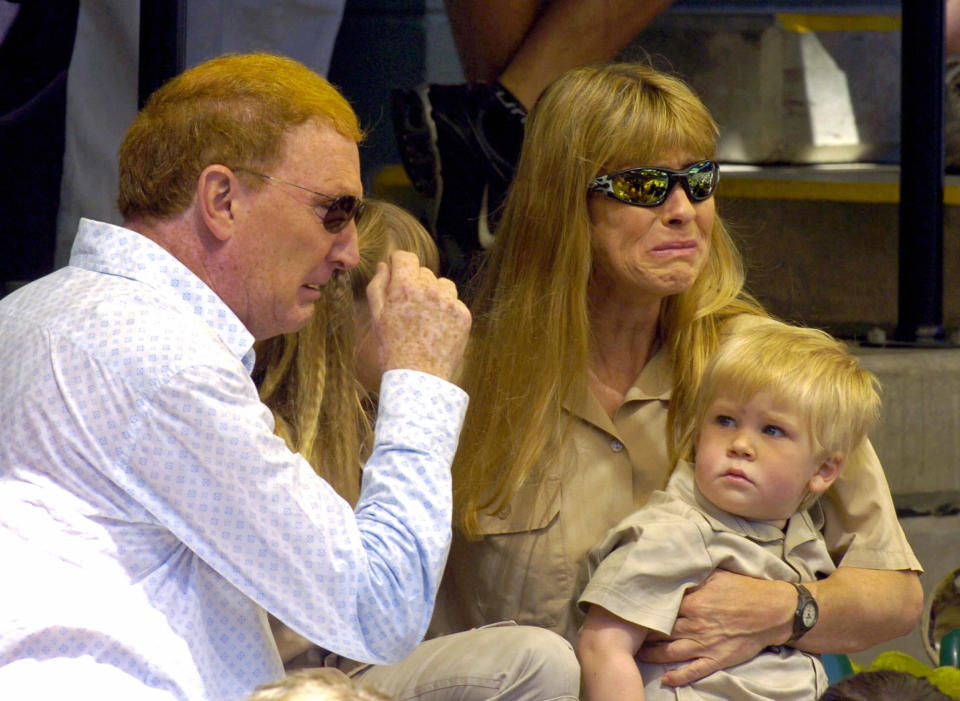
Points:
(308, 378)
(803, 368)
(382, 228)
(316, 684)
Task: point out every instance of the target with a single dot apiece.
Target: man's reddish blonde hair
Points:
(234, 110)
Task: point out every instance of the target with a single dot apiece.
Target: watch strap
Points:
(805, 602)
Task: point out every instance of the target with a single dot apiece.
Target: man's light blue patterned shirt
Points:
(148, 515)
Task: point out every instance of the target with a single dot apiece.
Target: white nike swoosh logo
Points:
(483, 225)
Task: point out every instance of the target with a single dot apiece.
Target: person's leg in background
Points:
(101, 104)
(36, 40)
(460, 143)
(488, 34)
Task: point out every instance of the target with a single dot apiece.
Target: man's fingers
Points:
(419, 321)
(447, 287)
(404, 267)
(377, 289)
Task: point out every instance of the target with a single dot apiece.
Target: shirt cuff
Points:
(420, 411)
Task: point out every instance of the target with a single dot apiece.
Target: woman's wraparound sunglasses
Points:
(334, 212)
(648, 186)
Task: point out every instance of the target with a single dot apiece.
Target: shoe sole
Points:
(417, 134)
(460, 229)
(484, 234)
(423, 94)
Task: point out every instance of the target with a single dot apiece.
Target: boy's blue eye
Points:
(772, 430)
(723, 420)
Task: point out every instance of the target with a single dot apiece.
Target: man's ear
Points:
(826, 474)
(217, 191)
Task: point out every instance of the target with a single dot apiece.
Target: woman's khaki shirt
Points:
(530, 564)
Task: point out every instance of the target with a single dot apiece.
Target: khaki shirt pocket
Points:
(518, 570)
(533, 507)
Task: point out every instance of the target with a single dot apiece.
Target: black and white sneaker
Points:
(459, 144)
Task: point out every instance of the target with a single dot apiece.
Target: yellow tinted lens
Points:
(642, 186)
(701, 182)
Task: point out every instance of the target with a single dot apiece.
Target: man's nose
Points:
(345, 253)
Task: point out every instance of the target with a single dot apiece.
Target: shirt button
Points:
(616, 446)
(504, 512)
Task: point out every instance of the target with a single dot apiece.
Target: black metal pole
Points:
(920, 291)
(161, 44)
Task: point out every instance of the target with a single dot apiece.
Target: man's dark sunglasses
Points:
(334, 212)
(648, 186)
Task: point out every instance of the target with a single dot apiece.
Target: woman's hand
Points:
(730, 618)
(727, 620)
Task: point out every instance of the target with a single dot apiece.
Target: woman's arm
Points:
(860, 608)
(730, 618)
(606, 647)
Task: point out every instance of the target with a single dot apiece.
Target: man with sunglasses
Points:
(147, 509)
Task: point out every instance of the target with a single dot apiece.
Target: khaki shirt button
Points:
(616, 446)
(504, 512)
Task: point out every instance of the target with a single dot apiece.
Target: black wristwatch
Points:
(805, 617)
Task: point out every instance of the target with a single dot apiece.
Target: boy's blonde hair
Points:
(803, 368)
(316, 684)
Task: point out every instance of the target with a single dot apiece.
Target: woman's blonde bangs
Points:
(631, 115)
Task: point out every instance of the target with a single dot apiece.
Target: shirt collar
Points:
(114, 250)
(801, 527)
(655, 381)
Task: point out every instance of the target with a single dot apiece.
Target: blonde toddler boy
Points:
(779, 409)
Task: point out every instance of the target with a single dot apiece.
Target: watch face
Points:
(809, 615)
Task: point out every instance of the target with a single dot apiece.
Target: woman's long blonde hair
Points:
(530, 347)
